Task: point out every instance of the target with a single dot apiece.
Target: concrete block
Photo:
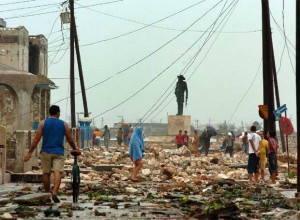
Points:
(27, 178)
(179, 122)
(106, 167)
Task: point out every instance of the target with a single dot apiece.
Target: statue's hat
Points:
(181, 77)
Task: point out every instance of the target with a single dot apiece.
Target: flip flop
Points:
(55, 199)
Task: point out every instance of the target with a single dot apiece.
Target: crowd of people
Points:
(260, 148)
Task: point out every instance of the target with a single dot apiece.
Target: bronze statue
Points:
(181, 87)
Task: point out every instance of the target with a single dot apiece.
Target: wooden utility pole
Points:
(85, 107)
(72, 83)
(277, 95)
(268, 88)
(298, 90)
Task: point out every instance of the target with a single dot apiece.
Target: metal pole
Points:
(72, 83)
(298, 89)
(85, 107)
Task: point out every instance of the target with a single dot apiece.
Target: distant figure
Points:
(106, 136)
(205, 139)
(181, 87)
(186, 139)
(263, 149)
(136, 151)
(253, 160)
(179, 139)
(229, 144)
(120, 136)
(126, 130)
(96, 137)
(195, 144)
(245, 143)
(272, 155)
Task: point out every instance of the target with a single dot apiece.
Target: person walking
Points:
(120, 136)
(96, 137)
(263, 148)
(245, 143)
(272, 155)
(253, 160)
(228, 141)
(136, 151)
(179, 139)
(106, 136)
(53, 130)
(186, 139)
(206, 135)
(195, 144)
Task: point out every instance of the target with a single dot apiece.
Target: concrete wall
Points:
(179, 122)
(14, 51)
(16, 152)
(38, 55)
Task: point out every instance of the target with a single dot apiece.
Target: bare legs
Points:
(57, 181)
(137, 166)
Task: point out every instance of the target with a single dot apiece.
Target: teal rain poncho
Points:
(136, 145)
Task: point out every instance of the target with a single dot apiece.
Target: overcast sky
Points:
(132, 63)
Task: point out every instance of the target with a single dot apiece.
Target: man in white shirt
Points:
(253, 161)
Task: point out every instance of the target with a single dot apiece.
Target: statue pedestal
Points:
(179, 122)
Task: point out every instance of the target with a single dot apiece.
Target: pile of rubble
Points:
(173, 184)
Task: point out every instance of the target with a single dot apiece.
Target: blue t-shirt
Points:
(53, 136)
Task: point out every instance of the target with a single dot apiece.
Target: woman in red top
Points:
(272, 155)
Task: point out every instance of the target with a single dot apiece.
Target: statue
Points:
(181, 87)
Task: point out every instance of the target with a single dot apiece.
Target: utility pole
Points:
(297, 91)
(268, 88)
(85, 107)
(277, 94)
(72, 83)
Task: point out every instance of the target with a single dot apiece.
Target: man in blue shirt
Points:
(53, 130)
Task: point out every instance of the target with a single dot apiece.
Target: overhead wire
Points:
(141, 28)
(50, 12)
(245, 92)
(147, 84)
(160, 27)
(147, 56)
(13, 3)
(181, 73)
(193, 58)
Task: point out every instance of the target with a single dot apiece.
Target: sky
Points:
(133, 50)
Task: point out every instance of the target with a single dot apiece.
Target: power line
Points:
(50, 12)
(245, 92)
(160, 27)
(158, 74)
(130, 32)
(192, 60)
(13, 3)
(29, 7)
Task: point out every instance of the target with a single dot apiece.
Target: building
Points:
(24, 86)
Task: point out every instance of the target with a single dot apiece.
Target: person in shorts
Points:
(253, 160)
(53, 130)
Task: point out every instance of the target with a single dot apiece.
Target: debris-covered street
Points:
(173, 184)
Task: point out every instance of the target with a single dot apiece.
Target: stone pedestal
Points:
(179, 122)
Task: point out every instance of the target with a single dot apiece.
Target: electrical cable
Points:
(193, 59)
(245, 92)
(133, 31)
(30, 7)
(165, 28)
(130, 66)
(13, 3)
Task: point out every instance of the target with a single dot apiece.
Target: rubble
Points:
(173, 183)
